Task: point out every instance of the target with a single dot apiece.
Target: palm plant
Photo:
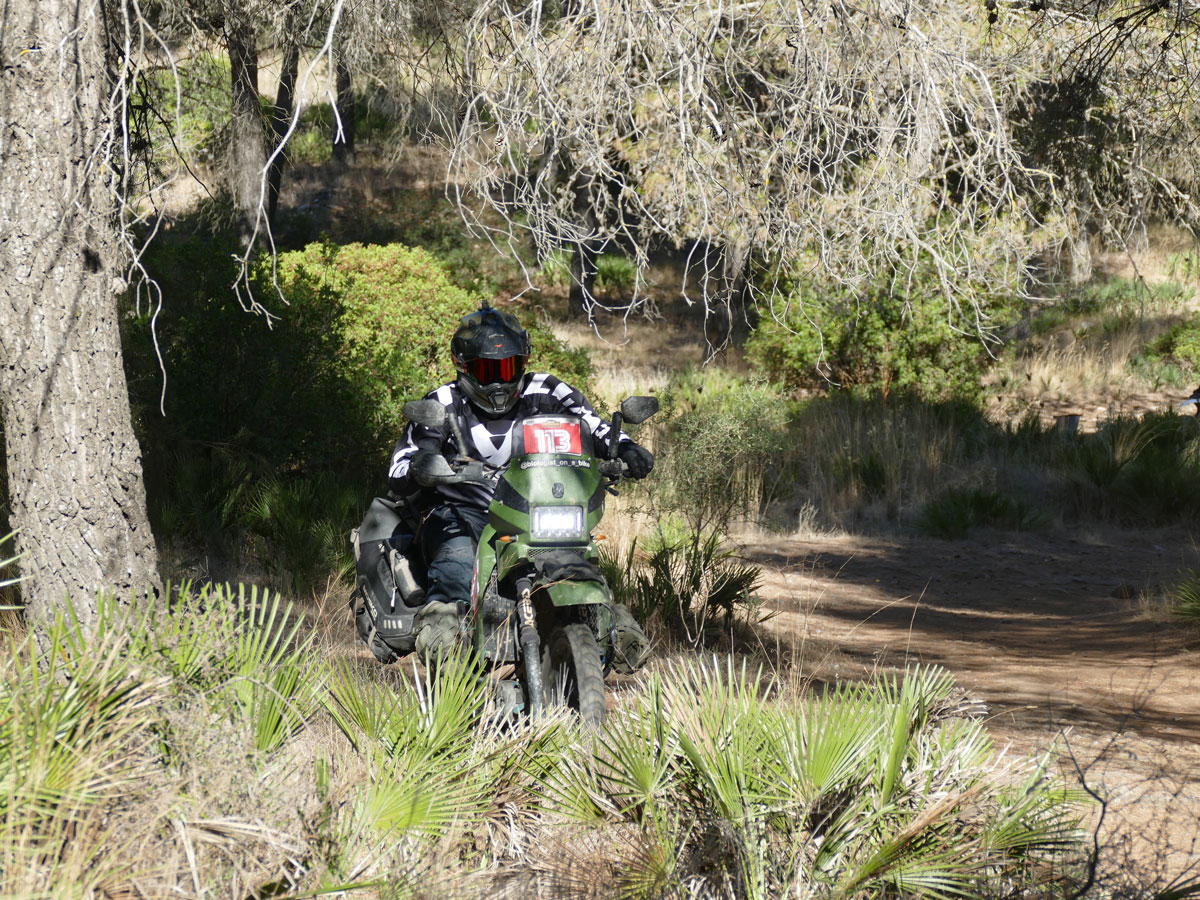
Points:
(73, 720)
(858, 792)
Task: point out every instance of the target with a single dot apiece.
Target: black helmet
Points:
(490, 349)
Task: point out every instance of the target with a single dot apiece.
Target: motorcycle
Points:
(539, 601)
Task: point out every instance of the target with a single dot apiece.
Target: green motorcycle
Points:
(538, 598)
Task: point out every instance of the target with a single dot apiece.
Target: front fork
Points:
(531, 646)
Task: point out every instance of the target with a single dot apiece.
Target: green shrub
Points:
(892, 337)
(1185, 598)
(1184, 267)
(1179, 346)
(187, 108)
(1136, 470)
(392, 312)
(720, 438)
(615, 274)
(312, 141)
(684, 584)
(708, 780)
(956, 512)
(312, 398)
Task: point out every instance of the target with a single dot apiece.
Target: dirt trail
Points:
(1050, 633)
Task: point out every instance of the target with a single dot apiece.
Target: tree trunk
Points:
(247, 149)
(724, 322)
(583, 281)
(584, 253)
(74, 465)
(285, 105)
(343, 140)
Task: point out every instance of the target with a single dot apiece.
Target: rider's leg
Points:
(447, 539)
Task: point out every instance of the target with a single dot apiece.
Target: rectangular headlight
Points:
(551, 522)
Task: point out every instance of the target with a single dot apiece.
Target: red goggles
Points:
(493, 371)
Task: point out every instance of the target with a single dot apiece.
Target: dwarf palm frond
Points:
(722, 733)
(635, 753)
(73, 719)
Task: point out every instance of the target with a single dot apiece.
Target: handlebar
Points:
(614, 468)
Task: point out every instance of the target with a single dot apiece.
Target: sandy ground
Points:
(1052, 633)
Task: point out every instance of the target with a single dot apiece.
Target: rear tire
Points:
(572, 672)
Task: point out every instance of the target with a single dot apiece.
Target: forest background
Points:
(876, 224)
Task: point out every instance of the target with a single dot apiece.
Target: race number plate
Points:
(549, 436)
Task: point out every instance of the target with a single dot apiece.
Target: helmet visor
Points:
(495, 371)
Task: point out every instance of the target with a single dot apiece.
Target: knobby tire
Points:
(572, 673)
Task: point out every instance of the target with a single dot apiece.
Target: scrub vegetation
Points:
(216, 747)
(893, 306)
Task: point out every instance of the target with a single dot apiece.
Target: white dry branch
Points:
(838, 139)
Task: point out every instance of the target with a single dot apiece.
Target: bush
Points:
(892, 337)
(284, 774)
(393, 310)
(311, 398)
(188, 108)
(956, 512)
(684, 584)
(1179, 346)
(721, 438)
(1137, 470)
(1184, 598)
(615, 272)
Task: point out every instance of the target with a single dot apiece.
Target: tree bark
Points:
(285, 105)
(74, 465)
(584, 253)
(343, 142)
(247, 150)
(583, 281)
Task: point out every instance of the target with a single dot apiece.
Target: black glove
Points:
(429, 467)
(638, 458)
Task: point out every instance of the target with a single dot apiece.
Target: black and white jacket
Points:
(489, 440)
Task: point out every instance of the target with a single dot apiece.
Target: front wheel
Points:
(572, 673)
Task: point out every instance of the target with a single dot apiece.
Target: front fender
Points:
(577, 593)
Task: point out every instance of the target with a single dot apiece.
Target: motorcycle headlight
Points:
(551, 522)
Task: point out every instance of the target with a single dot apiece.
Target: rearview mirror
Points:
(429, 413)
(636, 410)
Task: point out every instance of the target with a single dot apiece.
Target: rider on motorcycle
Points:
(491, 396)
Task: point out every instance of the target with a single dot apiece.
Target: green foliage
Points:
(853, 461)
(276, 433)
(710, 780)
(1185, 598)
(860, 791)
(718, 438)
(392, 311)
(895, 336)
(71, 725)
(615, 273)
(243, 648)
(956, 512)
(188, 107)
(303, 525)
(1137, 470)
(1184, 267)
(1179, 346)
(685, 582)
(312, 141)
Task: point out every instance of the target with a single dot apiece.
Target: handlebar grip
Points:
(616, 467)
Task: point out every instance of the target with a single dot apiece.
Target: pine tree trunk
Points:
(247, 149)
(74, 465)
